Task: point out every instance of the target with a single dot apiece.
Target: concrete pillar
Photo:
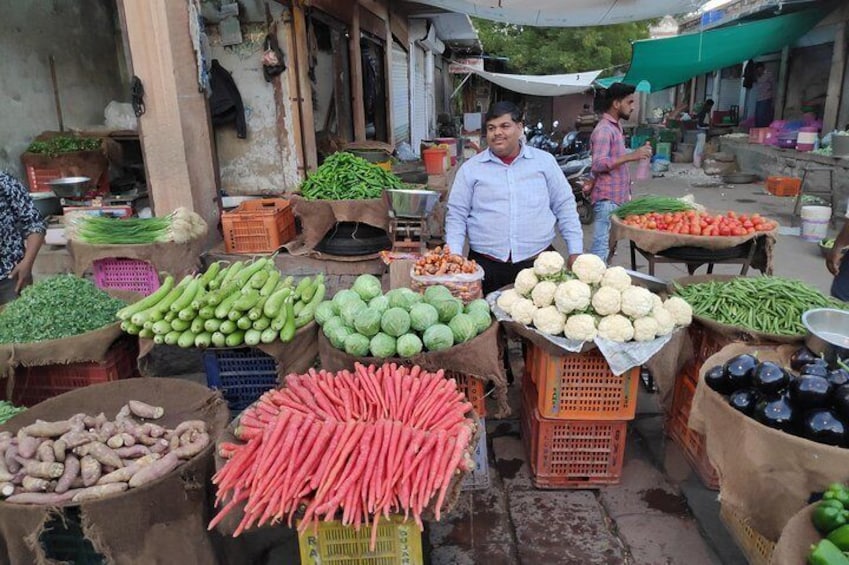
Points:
(175, 130)
(835, 78)
(781, 87)
(357, 106)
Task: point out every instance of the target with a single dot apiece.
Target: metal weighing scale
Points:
(408, 212)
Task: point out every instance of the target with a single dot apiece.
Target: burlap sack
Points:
(657, 241)
(178, 259)
(320, 216)
(295, 356)
(765, 474)
(479, 358)
(161, 522)
(733, 333)
(796, 540)
(668, 363)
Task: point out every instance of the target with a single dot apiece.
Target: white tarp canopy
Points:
(540, 85)
(566, 13)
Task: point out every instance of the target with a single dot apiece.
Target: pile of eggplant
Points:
(810, 401)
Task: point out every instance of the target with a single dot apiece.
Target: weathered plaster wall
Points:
(82, 37)
(259, 164)
(808, 71)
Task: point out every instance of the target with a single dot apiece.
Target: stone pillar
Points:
(835, 78)
(175, 130)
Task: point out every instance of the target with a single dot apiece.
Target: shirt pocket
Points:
(533, 193)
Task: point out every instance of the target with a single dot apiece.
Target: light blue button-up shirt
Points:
(509, 211)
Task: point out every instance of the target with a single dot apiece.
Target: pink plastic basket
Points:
(125, 274)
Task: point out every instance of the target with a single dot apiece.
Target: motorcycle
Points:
(578, 172)
(538, 138)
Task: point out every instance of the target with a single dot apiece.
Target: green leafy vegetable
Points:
(64, 144)
(646, 204)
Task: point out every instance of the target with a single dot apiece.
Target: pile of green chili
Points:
(772, 305)
(650, 203)
(344, 176)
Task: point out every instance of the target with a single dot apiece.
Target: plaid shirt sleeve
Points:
(603, 158)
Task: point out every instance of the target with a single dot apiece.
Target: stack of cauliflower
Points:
(600, 302)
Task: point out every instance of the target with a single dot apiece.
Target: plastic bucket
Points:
(806, 139)
(434, 160)
(451, 142)
(815, 221)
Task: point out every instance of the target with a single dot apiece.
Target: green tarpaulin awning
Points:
(673, 60)
(642, 86)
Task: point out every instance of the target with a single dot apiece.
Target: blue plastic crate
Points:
(242, 375)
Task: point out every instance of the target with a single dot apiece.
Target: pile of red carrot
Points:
(375, 441)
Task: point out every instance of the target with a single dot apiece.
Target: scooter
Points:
(578, 172)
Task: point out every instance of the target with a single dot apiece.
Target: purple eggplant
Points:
(770, 378)
(810, 391)
(823, 426)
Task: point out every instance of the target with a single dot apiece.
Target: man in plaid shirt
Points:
(610, 164)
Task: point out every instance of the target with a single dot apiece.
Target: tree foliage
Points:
(551, 50)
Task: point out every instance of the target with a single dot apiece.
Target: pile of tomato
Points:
(692, 222)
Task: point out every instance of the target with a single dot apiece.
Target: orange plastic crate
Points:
(783, 186)
(473, 388)
(258, 226)
(691, 442)
(581, 386)
(35, 384)
(567, 454)
(39, 177)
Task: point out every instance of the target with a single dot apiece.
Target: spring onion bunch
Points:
(180, 226)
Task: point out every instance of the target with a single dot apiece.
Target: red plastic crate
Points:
(125, 274)
(35, 384)
(38, 177)
(258, 226)
(581, 386)
(473, 388)
(691, 442)
(783, 186)
(567, 454)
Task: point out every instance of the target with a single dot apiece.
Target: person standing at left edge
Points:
(507, 201)
(21, 234)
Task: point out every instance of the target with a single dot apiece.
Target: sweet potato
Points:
(174, 443)
(123, 413)
(189, 450)
(101, 452)
(98, 491)
(47, 429)
(42, 470)
(183, 427)
(155, 470)
(27, 446)
(126, 473)
(59, 448)
(45, 452)
(115, 441)
(5, 475)
(90, 470)
(42, 498)
(7, 489)
(145, 410)
(129, 439)
(11, 459)
(34, 484)
(75, 439)
(5, 436)
(132, 451)
(160, 446)
(71, 472)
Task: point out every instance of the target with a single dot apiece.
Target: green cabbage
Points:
(463, 328)
(395, 322)
(367, 322)
(438, 337)
(367, 286)
(409, 345)
(423, 316)
(324, 312)
(436, 293)
(339, 335)
(481, 319)
(479, 304)
(331, 324)
(357, 345)
(343, 297)
(403, 298)
(379, 303)
(447, 309)
(351, 310)
(382, 345)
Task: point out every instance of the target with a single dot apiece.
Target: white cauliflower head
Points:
(645, 329)
(549, 263)
(523, 311)
(507, 299)
(657, 301)
(665, 321)
(637, 302)
(616, 277)
(572, 295)
(580, 327)
(681, 312)
(525, 282)
(607, 301)
(543, 294)
(549, 320)
(589, 268)
(616, 328)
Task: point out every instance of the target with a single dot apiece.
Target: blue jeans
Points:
(601, 228)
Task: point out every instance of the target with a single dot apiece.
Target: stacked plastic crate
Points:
(474, 390)
(575, 418)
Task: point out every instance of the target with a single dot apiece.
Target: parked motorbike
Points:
(575, 142)
(578, 171)
(537, 137)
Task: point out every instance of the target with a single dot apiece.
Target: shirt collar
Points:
(610, 119)
(523, 152)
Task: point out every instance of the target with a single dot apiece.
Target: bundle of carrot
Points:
(374, 441)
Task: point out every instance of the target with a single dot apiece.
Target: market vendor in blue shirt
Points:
(507, 200)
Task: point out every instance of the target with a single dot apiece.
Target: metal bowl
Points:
(70, 187)
(828, 332)
(411, 203)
